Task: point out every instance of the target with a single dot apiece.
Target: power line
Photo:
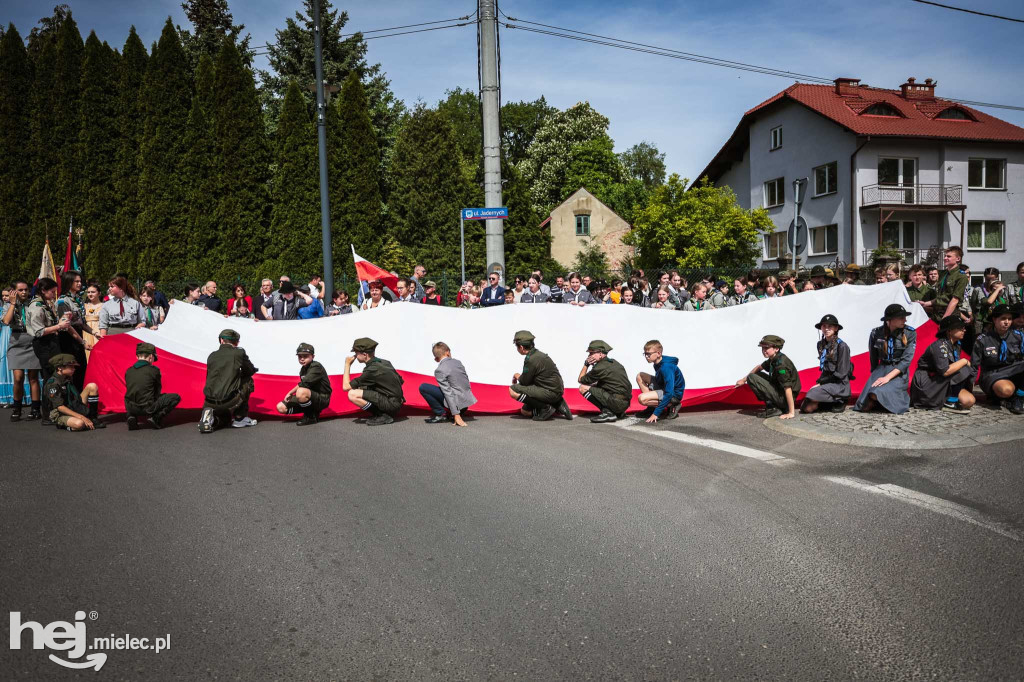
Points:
(969, 11)
(265, 48)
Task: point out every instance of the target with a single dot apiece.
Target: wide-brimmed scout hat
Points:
(818, 271)
(522, 337)
(286, 288)
(999, 311)
(853, 267)
(952, 322)
(598, 346)
(305, 348)
(364, 345)
(772, 340)
(828, 319)
(146, 349)
(231, 335)
(893, 311)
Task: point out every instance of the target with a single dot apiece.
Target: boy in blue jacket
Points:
(662, 393)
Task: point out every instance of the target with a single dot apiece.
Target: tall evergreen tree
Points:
(296, 194)
(431, 186)
(211, 23)
(15, 152)
(355, 199)
(99, 144)
(527, 245)
(65, 98)
(243, 167)
(45, 161)
(199, 175)
(164, 104)
(131, 71)
(46, 31)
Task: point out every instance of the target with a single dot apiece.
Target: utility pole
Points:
(490, 96)
(321, 127)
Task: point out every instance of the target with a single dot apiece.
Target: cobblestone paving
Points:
(917, 429)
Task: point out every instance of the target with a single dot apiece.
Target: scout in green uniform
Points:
(949, 292)
(539, 386)
(917, 289)
(378, 389)
(775, 381)
(229, 384)
(142, 396)
(605, 383)
(313, 393)
(70, 409)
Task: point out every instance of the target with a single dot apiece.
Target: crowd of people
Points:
(47, 339)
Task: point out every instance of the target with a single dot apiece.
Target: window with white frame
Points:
(582, 226)
(824, 240)
(774, 192)
(985, 235)
(825, 179)
(775, 245)
(776, 141)
(986, 173)
(900, 233)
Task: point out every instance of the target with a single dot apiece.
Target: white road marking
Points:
(741, 450)
(929, 502)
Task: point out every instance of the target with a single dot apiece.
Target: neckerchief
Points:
(1002, 343)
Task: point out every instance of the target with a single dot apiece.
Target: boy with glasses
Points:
(662, 392)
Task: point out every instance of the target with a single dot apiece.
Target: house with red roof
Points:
(876, 166)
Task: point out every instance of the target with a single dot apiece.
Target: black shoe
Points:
(563, 409)
(34, 414)
(381, 419)
(1015, 404)
(16, 416)
(604, 417)
(542, 414)
(838, 408)
(437, 419)
(46, 422)
(645, 414)
(133, 423)
(308, 419)
(673, 411)
(770, 411)
(97, 424)
(956, 408)
(156, 422)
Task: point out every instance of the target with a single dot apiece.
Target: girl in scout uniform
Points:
(833, 387)
(943, 378)
(1000, 355)
(890, 349)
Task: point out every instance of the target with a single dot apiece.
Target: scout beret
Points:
(231, 335)
(828, 319)
(287, 288)
(951, 322)
(598, 346)
(785, 273)
(305, 348)
(304, 288)
(63, 360)
(817, 271)
(893, 311)
(830, 272)
(772, 340)
(999, 311)
(145, 349)
(522, 337)
(364, 345)
(431, 284)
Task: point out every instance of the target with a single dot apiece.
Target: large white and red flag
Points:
(715, 348)
(367, 272)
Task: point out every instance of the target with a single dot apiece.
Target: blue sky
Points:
(686, 109)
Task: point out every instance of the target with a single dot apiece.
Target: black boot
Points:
(770, 410)
(133, 423)
(308, 417)
(838, 406)
(16, 413)
(34, 411)
(543, 413)
(563, 409)
(604, 417)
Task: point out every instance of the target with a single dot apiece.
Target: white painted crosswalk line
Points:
(741, 450)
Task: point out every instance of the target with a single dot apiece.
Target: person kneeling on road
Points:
(661, 393)
(312, 395)
(539, 386)
(68, 408)
(605, 383)
(142, 396)
(229, 384)
(453, 395)
(943, 378)
(1000, 355)
(833, 387)
(378, 390)
(775, 381)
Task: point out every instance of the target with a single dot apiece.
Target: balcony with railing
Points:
(928, 197)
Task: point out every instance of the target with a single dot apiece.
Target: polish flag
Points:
(367, 272)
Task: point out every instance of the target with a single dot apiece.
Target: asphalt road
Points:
(512, 550)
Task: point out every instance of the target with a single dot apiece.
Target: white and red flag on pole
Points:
(367, 272)
(48, 268)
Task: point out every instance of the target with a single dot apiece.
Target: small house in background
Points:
(582, 220)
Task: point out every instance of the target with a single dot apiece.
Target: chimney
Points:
(847, 86)
(913, 90)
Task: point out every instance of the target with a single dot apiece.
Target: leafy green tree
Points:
(65, 98)
(549, 155)
(592, 164)
(211, 22)
(15, 153)
(393, 258)
(243, 167)
(44, 157)
(199, 175)
(355, 182)
(527, 245)
(131, 71)
(430, 188)
(164, 100)
(98, 151)
(296, 194)
(462, 109)
(590, 260)
(520, 122)
(645, 163)
(700, 227)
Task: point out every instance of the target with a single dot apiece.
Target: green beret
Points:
(62, 360)
(598, 346)
(523, 337)
(230, 335)
(364, 345)
(305, 348)
(785, 273)
(772, 340)
(146, 349)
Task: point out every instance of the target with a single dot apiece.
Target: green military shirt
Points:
(379, 375)
(314, 377)
(611, 376)
(227, 369)
(782, 372)
(60, 391)
(919, 293)
(142, 384)
(539, 370)
(951, 285)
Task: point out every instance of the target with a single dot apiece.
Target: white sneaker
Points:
(243, 422)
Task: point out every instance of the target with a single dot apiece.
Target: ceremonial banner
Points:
(47, 267)
(715, 348)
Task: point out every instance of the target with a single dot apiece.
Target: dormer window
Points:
(954, 114)
(881, 109)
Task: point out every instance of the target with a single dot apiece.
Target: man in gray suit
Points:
(450, 399)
